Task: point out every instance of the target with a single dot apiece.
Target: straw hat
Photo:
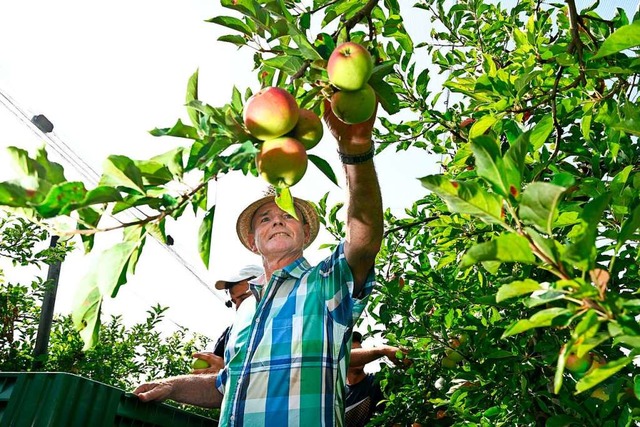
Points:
(309, 214)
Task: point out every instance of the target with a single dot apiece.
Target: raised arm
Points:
(362, 356)
(199, 390)
(364, 202)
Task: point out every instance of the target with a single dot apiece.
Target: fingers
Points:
(153, 391)
(210, 370)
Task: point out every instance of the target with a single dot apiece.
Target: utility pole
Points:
(46, 313)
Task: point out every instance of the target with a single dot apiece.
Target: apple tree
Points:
(520, 255)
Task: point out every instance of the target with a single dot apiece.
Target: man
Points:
(363, 390)
(236, 285)
(288, 365)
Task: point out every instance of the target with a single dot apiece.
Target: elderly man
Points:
(288, 365)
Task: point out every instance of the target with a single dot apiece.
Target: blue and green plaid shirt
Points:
(287, 352)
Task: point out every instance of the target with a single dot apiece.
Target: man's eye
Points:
(264, 219)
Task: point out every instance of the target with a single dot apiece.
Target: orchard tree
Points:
(520, 259)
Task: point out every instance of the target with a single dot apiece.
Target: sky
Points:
(105, 74)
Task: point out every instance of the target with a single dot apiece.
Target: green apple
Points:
(309, 129)
(270, 113)
(349, 66)
(354, 107)
(578, 365)
(448, 363)
(199, 364)
(282, 162)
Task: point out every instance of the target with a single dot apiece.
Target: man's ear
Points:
(251, 239)
(307, 233)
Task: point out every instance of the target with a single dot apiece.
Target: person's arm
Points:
(364, 223)
(199, 390)
(362, 356)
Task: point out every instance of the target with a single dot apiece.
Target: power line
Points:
(90, 175)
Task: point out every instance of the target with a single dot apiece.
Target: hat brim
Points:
(310, 216)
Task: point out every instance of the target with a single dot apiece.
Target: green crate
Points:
(54, 399)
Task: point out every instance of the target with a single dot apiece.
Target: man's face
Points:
(275, 232)
(239, 292)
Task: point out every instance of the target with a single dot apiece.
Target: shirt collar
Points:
(294, 270)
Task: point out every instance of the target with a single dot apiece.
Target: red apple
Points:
(270, 113)
(282, 162)
(355, 106)
(309, 129)
(349, 66)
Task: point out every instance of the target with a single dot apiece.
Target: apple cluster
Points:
(287, 131)
(349, 68)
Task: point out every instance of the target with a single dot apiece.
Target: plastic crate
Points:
(54, 399)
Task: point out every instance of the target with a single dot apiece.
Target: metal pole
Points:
(46, 314)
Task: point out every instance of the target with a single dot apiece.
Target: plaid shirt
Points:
(285, 357)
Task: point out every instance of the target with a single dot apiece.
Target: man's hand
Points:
(158, 390)
(215, 363)
(391, 353)
(351, 138)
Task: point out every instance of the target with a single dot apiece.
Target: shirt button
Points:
(258, 320)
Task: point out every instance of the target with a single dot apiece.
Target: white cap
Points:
(246, 272)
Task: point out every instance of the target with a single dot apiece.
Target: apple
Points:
(578, 365)
(270, 113)
(282, 161)
(454, 355)
(349, 66)
(308, 130)
(199, 364)
(354, 107)
(448, 363)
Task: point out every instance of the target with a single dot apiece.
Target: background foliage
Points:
(523, 251)
(124, 357)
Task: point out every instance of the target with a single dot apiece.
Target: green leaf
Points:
(121, 171)
(88, 220)
(466, 198)
(53, 172)
(507, 247)
(153, 172)
(102, 279)
(305, 48)
(14, 195)
(324, 167)
(539, 205)
(173, 161)
(540, 319)
(480, 126)
(236, 40)
(583, 251)
(192, 94)
(205, 236)
(99, 195)
(541, 132)
(517, 288)
(179, 130)
(387, 96)
(546, 245)
(514, 161)
(602, 373)
(490, 165)
(625, 37)
(629, 227)
(284, 201)
(60, 199)
(233, 23)
(288, 64)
